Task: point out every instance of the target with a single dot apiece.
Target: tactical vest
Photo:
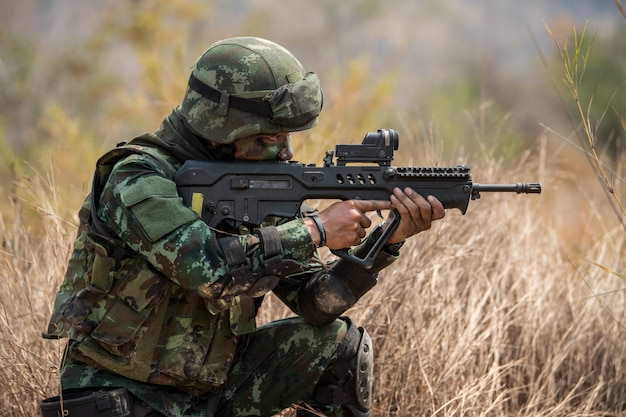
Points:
(125, 317)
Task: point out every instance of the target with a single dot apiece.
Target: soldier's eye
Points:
(269, 140)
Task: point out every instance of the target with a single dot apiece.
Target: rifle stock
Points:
(246, 192)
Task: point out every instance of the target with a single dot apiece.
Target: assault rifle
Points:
(246, 192)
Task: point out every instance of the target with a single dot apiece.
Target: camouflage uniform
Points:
(151, 303)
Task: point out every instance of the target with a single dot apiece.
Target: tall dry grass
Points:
(31, 265)
(515, 309)
(485, 315)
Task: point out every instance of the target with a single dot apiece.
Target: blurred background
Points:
(516, 308)
(486, 75)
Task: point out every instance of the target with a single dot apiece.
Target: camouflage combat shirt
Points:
(143, 300)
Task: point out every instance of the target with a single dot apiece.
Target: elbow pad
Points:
(330, 293)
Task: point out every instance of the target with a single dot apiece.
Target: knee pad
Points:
(348, 381)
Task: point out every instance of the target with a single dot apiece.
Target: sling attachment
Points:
(273, 262)
(274, 265)
(236, 259)
(239, 266)
(273, 258)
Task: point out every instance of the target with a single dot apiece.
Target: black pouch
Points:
(100, 402)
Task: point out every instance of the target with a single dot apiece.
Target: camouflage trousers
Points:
(280, 366)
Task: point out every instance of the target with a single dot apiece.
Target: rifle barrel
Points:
(519, 188)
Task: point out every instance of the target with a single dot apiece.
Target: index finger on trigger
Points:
(372, 205)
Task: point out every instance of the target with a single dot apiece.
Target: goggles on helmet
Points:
(290, 105)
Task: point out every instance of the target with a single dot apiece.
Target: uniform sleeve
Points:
(330, 290)
(140, 204)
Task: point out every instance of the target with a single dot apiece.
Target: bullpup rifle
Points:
(246, 192)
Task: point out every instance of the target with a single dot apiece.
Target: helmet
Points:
(245, 86)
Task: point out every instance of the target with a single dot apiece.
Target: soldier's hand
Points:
(345, 222)
(416, 212)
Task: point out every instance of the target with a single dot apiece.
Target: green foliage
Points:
(596, 78)
(65, 106)
(591, 106)
(20, 88)
(467, 118)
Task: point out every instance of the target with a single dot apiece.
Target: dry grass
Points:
(485, 315)
(31, 267)
(515, 309)
(498, 323)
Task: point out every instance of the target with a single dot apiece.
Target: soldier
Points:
(160, 308)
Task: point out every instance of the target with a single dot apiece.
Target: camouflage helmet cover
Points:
(245, 86)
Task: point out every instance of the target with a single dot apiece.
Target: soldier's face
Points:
(264, 148)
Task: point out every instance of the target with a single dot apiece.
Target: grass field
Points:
(493, 313)
(516, 309)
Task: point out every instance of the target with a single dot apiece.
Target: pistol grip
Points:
(368, 260)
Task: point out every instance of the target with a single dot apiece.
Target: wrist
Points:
(394, 248)
(312, 228)
(316, 229)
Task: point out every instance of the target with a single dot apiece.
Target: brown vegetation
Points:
(484, 315)
(517, 308)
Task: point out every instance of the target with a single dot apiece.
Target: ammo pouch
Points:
(99, 402)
